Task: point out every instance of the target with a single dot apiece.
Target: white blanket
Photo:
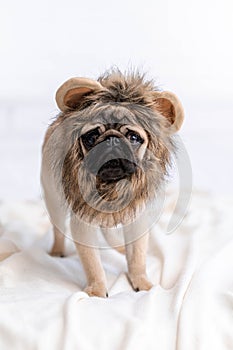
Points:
(42, 305)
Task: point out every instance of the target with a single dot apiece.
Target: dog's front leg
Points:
(85, 239)
(136, 256)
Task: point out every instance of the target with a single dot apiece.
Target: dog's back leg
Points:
(57, 214)
(58, 248)
(58, 217)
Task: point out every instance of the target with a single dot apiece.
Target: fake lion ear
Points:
(70, 94)
(168, 104)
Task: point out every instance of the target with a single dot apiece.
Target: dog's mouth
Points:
(116, 169)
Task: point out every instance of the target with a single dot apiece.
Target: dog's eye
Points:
(134, 138)
(90, 138)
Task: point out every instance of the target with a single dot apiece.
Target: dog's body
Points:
(104, 159)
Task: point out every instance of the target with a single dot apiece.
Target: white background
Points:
(186, 45)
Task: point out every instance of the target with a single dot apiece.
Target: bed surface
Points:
(42, 305)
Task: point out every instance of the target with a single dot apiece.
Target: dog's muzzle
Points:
(111, 160)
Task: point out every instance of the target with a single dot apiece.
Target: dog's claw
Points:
(140, 282)
(96, 290)
(57, 254)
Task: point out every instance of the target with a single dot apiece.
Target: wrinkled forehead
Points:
(114, 116)
(111, 117)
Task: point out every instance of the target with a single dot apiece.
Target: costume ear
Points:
(69, 94)
(168, 104)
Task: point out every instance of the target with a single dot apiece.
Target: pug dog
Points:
(104, 160)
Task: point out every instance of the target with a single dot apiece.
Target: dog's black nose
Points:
(112, 141)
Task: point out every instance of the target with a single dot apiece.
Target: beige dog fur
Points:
(68, 98)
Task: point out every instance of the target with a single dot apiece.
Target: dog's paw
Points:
(97, 289)
(140, 282)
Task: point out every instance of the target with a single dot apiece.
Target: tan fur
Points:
(120, 102)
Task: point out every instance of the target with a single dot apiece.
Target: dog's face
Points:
(113, 151)
(121, 130)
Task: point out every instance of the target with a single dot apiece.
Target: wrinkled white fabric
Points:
(42, 305)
